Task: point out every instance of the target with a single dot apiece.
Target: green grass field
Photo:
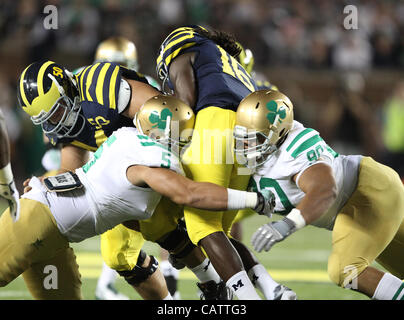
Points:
(300, 263)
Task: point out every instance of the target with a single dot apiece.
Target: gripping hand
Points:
(266, 203)
(269, 234)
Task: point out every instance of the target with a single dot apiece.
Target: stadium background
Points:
(348, 84)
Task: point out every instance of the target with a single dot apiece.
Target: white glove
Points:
(265, 203)
(269, 234)
(9, 191)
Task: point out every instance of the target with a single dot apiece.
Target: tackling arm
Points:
(318, 184)
(200, 195)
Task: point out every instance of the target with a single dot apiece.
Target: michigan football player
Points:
(200, 67)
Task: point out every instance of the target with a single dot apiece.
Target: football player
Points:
(74, 206)
(360, 200)
(199, 66)
(8, 191)
(88, 107)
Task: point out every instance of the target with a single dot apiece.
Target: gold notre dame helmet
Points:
(246, 58)
(263, 120)
(119, 50)
(166, 119)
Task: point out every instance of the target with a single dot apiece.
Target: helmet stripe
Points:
(40, 78)
(89, 81)
(112, 85)
(22, 91)
(99, 88)
(83, 75)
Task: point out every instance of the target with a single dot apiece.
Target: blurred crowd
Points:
(305, 35)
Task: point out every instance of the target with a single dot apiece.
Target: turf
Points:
(300, 262)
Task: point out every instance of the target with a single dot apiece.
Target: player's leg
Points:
(147, 278)
(167, 228)
(255, 270)
(121, 251)
(392, 258)
(209, 158)
(170, 274)
(57, 278)
(105, 289)
(29, 241)
(364, 229)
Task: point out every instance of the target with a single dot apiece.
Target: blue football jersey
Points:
(98, 86)
(220, 80)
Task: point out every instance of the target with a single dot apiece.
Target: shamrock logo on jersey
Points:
(160, 119)
(272, 106)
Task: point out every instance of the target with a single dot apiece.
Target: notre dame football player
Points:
(360, 200)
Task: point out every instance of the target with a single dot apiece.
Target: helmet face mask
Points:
(263, 121)
(63, 120)
(252, 146)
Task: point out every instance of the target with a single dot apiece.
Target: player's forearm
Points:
(72, 158)
(209, 196)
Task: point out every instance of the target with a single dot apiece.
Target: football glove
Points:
(269, 234)
(265, 203)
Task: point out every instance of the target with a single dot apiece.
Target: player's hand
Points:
(11, 194)
(269, 234)
(26, 186)
(266, 203)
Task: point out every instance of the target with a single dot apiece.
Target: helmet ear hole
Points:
(258, 104)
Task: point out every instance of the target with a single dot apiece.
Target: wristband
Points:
(297, 218)
(237, 199)
(6, 175)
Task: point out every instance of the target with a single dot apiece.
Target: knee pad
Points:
(140, 274)
(177, 242)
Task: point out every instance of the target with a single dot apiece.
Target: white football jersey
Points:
(107, 197)
(303, 148)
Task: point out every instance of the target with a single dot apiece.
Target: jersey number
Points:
(233, 68)
(268, 183)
